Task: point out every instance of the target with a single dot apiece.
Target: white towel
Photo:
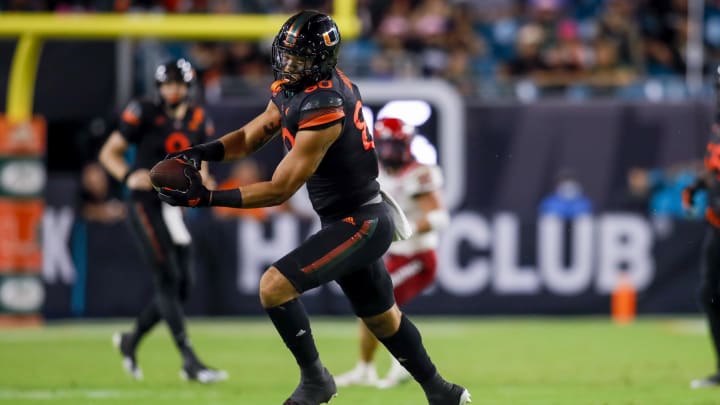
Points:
(173, 218)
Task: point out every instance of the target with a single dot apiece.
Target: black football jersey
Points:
(712, 164)
(146, 125)
(346, 177)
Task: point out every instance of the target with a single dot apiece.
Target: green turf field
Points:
(500, 360)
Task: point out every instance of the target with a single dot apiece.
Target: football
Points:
(170, 173)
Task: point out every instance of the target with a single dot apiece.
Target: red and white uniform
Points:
(412, 263)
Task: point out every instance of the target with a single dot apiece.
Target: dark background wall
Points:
(512, 157)
(75, 84)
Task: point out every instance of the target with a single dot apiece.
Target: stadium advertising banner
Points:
(544, 220)
(22, 182)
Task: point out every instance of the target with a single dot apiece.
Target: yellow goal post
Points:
(32, 29)
(22, 135)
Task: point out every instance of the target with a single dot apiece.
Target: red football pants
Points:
(411, 274)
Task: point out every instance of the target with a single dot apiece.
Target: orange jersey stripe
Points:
(686, 200)
(150, 232)
(130, 118)
(324, 117)
(338, 250)
(344, 78)
(197, 118)
(712, 217)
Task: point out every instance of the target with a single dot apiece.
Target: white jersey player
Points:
(412, 263)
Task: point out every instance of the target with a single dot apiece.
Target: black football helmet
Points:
(305, 50)
(178, 71)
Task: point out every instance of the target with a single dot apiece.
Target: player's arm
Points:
(700, 183)
(207, 131)
(240, 142)
(208, 179)
(711, 166)
(434, 215)
(291, 173)
(111, 156)
(113, 160)
(253, 135)
(112, 152)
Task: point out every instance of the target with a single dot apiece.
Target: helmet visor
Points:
(290, 67)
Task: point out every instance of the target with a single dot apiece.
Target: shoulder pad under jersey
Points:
(133, 112)
(322, 100)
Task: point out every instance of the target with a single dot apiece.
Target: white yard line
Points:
(40, 394)
(687, 327)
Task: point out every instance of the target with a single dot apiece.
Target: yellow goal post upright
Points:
(22, 134)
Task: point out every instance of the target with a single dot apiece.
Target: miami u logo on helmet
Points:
(331, 37)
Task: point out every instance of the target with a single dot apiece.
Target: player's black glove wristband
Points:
(126, 176)
(688, 193)
(212, 151)
(195, 196)
(226, 198)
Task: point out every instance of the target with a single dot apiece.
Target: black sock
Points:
(148, 318)
(171, 310)
(293, 325)
(713, 317)
(406, 345)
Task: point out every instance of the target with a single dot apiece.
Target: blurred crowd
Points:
(600, 46)
(604, 45)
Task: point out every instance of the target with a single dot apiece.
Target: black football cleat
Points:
(441, 392)
(707, 382)
(196, 371)
(455, 395)
(314, 391)
(123, 343)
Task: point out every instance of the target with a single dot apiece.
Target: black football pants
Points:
(709, 294)
(170, 266)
